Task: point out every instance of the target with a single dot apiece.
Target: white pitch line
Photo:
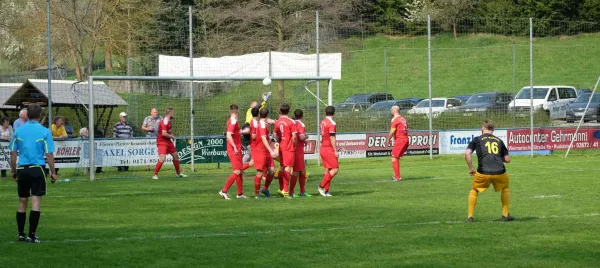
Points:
(254, 233)
(547, 196)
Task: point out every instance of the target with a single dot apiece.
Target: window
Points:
(454, 102)
(566, 93)
(552, 96)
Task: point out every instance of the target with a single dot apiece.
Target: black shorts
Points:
(31, 180)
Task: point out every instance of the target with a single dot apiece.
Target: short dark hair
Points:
(298, 114)
(488, 124)
(284, 108)
(329, 110)
(255, 111)
(55, 120)
(34, 111)
(233, 107)
(5, 119)
(264, 113)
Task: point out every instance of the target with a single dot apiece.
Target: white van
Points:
(553, 99)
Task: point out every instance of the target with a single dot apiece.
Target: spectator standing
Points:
(122, 130)
(22, 119)
(150, 126)
(6, 133)
(68, 128)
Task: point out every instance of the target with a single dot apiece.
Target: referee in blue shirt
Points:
(32, 142)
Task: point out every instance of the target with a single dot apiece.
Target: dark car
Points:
(414, 101)
(369, 97)
(577, 108)
(346, 107)
(463, 98)
(583, 90)
(382, 109)
(489, 102)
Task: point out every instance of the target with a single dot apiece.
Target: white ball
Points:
(267, 81)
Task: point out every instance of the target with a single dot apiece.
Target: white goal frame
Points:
(91, 80)
(582, 117)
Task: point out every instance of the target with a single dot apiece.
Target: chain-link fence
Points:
(480, 69)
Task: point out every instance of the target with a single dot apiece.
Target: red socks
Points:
(281, 180)
(326, 181)
(177, 167)
(268, 181)
(396, 166)
(158, 167)
(286, 180)
(229, 182)
(257, 180)
(246, 166)
(303, 182)
(239, 183)
(293, 180)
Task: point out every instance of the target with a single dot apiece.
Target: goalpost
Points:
(582, 117)
(93, 99)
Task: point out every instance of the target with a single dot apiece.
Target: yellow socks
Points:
(505, 197)
(473, 202)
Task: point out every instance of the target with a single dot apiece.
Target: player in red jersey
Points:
(399, 133)
(299, 166)
(164, 142)
(234, 152)
(263, 155)
(328, 151)
(285, 134)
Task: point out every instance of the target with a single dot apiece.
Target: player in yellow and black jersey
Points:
(491, 155)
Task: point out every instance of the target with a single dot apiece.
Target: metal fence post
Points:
(531, 83)
(49, 37)
(318, 88)
(91, 128)
(191, 87)
(429, 86)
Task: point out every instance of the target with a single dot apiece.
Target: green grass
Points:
(370, 221)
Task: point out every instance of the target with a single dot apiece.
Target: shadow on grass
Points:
(351, 193)
(523, 219)
(418, 178)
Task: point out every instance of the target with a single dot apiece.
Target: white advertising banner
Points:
(254, 65)
(456, 142)
(348, 145)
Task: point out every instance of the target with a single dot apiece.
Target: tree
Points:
(245, 26)
(448, 11)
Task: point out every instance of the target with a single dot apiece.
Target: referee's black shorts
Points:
(31, 180)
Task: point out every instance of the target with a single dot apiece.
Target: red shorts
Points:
(400, 148)
(299, 164)
(166, 148)
(328, 158)
(287, 158)
(263, 161)
(236, 160)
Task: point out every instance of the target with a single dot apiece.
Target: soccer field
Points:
(369, 222)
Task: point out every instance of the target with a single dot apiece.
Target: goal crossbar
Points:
(92, 78)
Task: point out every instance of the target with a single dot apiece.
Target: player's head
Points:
(255, 112)
(487, 126)
(264, 113)
(298, 114)
(395, 110)
(169, 112)
(329, 111)
(284, 108)
(234, 109)
(154, 112)
(253, 104)
(34, 111)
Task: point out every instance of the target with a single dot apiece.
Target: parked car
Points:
(463, 98)
(438, 105)
(577, 108)
(552, 99)
(346, 107)
(583, 90)
(485, 103)
(414, 101)
(382, 109)
(369, 97)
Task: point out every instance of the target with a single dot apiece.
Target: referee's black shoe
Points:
(21, 238)
(33, 239)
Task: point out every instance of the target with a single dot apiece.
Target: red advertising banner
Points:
(553, 139)
(377, 144)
